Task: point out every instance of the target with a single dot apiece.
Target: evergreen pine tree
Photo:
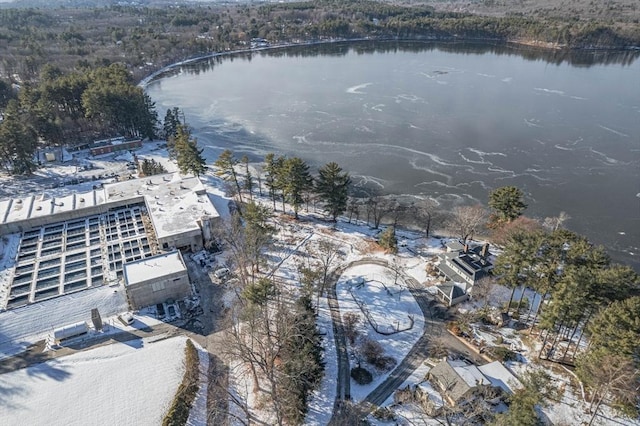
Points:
(507, 203)
(388, 239)
(333, 185)
(17, 142)
(189, 156)
(296, 179)
(248, 179)
(226, 163)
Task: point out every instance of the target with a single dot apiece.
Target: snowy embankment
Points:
(129, 383)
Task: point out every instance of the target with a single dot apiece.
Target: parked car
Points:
(128, 317)
(220, 273)
(172, 311)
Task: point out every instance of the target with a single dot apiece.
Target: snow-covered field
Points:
(129, 383)
(388, 311)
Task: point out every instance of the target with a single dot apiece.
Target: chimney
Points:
(466, 248)
(485, 250)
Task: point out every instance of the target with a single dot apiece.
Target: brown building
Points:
(155, 279)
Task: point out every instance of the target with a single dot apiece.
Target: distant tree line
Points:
(148, 38)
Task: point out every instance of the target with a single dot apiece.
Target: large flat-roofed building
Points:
(82, 240)
(180, 209)
(156, 279)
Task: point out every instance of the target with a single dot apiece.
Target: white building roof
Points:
(44, 204)
(500, 377)
(153, 267)
(175, 204)
(469, 373)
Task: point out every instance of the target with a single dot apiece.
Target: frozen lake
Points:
(450, 122)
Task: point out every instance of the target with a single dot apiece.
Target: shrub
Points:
(388, 240)
(373, 353)
(361, 375)
(500, 353)
(499, 340)
(384, 363)
(384, 414)
(455, 328)
(179, 411)
(350, 320)
(371, 350)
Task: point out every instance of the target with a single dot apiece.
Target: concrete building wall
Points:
(191, 240)
(146, 293)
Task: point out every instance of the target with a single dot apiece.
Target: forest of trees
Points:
(581, 294)
(148, 38)
(77, 106)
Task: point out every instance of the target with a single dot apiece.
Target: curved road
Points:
(414, 358)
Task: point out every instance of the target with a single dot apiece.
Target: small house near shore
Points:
(459, 382)
(462, 266)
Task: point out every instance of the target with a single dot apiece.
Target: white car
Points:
(127, 317)
(221, 273)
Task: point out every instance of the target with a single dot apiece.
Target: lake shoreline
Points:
(536, 45)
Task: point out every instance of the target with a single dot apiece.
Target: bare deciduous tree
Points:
(328, 253)
(482, 289)
(466, 221)
(350, 322)
(554, 223)
(610, 377)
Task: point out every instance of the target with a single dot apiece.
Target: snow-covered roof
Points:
(44, 204)
(500, 376)
(22, 326)
(153, 267)
(469, 373)
(175, 204)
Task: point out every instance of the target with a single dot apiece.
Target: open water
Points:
(445, 121)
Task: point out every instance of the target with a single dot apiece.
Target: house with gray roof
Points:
(462, 266)
(457, 381)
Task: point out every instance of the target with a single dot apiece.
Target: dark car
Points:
(160, 309)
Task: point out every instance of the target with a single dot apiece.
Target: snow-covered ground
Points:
(388, 311)
(23, 326)
(198, 413)
(129, 383)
